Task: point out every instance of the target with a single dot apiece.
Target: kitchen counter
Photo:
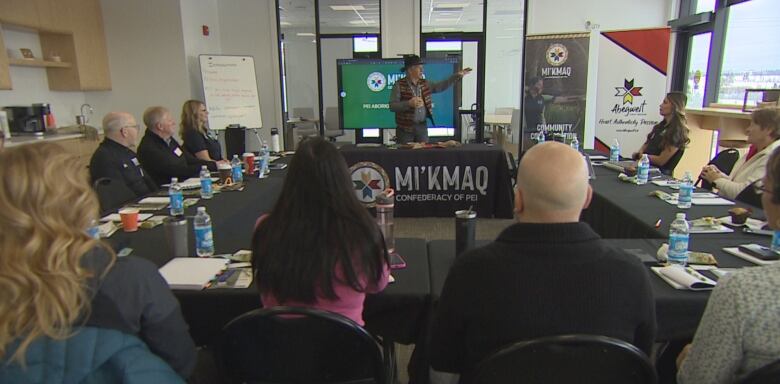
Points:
(29, 139)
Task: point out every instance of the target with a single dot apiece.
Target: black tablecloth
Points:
(394, 313)
(437, 182)
(677, 311)
(623, 210)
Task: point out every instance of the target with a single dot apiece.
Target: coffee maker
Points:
(27, 120)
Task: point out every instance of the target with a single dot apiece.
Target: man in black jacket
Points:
(546, 275)
(160, 153)
(115, 159)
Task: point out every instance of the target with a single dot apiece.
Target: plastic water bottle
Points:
(575, 143)
(614, 151)
(776, 241)
(686, 191)
(177, 198)
(642, 170)
(204, 238)
(678, 241)
(266, 158)
(236, 165)
(94, 229)
(206, 190)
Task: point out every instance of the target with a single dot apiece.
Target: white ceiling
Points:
(437, 15)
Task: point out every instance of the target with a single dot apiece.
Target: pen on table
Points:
(658, 223)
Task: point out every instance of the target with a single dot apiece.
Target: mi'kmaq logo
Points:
(376, 81)
(557, 54)
(368, 180)
(628, 91)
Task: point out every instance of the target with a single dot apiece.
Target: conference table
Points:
(435, 182)
(403, 311)
(394, 313)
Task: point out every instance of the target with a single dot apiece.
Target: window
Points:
(698, 60)
(751, 54)
(727, 46)
(451, 16)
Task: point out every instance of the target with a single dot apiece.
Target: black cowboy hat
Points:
(410, 61)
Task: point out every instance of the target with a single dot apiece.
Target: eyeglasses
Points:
(136, 126)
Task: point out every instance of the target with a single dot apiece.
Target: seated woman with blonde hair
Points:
(740, 329)
(57, 283)
(194, 130)
(762, 135)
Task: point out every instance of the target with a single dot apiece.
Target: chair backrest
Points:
(768, 374)
(725, 161)
(567, 359)
(749, 195)
(112, 194)
(298, 345)
(671, 164)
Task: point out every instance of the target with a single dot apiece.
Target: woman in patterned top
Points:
(740, 329)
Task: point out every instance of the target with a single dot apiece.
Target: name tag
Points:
(135, 161)
(177, 151)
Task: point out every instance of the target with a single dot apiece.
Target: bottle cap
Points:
(201, 209)
(203, 167)
(681, 215)
(174, 180)
(386, 197)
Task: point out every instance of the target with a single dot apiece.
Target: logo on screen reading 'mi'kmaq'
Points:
(376, 81)
(368, 179)
(557, 54)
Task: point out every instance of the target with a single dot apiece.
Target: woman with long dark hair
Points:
(319, 247)
(667, 140)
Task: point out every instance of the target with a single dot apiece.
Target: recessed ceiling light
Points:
(347, 7)
(305, 34)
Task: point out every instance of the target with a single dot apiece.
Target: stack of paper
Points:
(684, 278)
(193, 273)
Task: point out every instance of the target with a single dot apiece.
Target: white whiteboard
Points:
(230, 89)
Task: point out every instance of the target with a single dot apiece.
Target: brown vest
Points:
(405, 119)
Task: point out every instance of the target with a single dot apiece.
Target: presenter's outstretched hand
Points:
(464, 72)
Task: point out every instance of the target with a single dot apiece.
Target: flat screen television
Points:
(364, 93)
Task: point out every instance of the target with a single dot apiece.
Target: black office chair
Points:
(112, 194)
(671, 164)
(567, 359)
(768, 374)
(750, 196)
(512, 164)
(725, 161)
(299, 345)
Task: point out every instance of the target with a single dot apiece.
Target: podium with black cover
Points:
(436, 182)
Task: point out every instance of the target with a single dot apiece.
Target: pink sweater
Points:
(350, 301)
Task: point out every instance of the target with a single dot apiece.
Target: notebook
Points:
(192, 273)
(684, 278)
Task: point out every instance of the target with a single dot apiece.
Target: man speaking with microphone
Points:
(411, 100)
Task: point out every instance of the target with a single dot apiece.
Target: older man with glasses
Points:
(115, 158)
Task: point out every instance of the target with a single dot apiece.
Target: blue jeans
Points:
(420, 134)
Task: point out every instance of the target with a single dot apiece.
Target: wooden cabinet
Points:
(72, 29)
(82, 147)
(5, 76)
(19, 12)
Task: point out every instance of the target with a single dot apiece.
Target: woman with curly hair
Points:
(55, 278)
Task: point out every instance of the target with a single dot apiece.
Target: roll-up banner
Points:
(632, 67)
(556, 79)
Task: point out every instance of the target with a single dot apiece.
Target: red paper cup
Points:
(249, 163)
(129, 219)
